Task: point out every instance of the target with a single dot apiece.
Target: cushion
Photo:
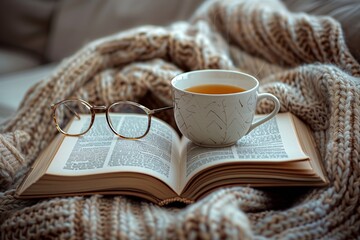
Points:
(25, 24)
(85, 20)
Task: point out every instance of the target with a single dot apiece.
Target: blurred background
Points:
(35, 35)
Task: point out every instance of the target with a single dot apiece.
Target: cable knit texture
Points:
(301, 59)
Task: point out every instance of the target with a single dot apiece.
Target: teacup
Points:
(216, 119)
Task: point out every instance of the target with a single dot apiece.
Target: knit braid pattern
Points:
(301, 59)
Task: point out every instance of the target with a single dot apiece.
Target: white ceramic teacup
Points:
(217, 120)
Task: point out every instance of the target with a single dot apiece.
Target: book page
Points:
(101, 151)
(273, 141)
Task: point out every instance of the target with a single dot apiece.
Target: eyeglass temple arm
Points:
(73, 111)
(160, 109)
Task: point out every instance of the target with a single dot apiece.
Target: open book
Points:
(162, 167)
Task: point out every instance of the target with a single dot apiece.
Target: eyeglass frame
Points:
(94, 108)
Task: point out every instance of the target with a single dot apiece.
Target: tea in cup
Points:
(216, 108)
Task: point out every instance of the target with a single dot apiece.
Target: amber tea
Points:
(215, 89)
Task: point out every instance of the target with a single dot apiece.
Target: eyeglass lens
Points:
(74, 111)
(132, 120)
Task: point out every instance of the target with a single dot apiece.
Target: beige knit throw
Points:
(301, 59)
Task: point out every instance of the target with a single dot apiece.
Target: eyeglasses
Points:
(126, 119)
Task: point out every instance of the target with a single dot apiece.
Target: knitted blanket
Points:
(301, 59)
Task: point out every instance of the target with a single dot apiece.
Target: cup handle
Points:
(270, 115)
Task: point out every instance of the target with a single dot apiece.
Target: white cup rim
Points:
(177, 78)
